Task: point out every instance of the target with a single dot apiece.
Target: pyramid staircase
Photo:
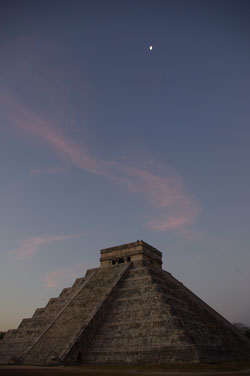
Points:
(127, 311)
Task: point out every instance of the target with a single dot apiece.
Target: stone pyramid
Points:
(127, 311)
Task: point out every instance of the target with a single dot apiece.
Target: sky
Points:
(104, 142)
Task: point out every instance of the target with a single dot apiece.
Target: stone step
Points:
(9, 334)
(129, 302)
(89, 272)
(65, 292)
(32, 323)
(127, 292)
(131, 325)
(136, 315)
(138, 272)
(138, 331)
(156, 323)
(145, 280)
(38, 312)
(170, 354)
(78, 282)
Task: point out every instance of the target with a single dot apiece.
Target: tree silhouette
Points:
(243, 328)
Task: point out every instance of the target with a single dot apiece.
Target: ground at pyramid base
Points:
(127, 311)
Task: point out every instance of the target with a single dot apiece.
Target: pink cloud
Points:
(62, 276)
(30, 124)
(171, 223)
(162, 192)
(48, 170)
(173, 208)
(32, 246)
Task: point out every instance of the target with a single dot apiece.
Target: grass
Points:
(234, 369)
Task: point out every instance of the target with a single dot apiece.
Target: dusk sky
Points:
(104, 141)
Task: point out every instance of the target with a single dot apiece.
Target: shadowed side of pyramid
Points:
(127, 311)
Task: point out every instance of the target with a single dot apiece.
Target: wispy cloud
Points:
(33, 245)
(32, 125)
(62, 276)
(48, 170)
(173, 207)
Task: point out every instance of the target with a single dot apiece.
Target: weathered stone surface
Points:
(127, 311)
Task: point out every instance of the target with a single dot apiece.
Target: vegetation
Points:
(2, 335)
(243, 328)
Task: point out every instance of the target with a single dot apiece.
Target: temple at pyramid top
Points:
(137, 251)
